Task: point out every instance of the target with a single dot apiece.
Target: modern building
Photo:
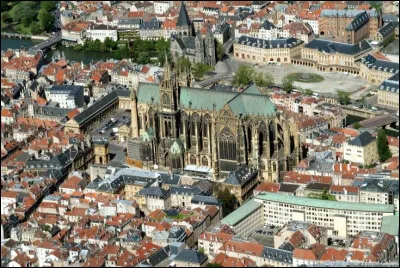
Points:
(362, 149)
(340, 218)
(175, 126)
(246, 219)
(257, 50)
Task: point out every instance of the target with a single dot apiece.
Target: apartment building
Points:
(246, 219)
(388, 92)
(340, 218)
(362, 149)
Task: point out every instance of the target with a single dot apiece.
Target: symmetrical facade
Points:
(174, 126)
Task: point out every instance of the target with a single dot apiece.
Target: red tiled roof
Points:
(267, 187)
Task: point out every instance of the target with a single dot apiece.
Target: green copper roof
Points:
(251, 104)
(241, 213)
(146, 91)
(204, 99)
(176, 147)
(148, 135)
(309, 202)
(390, 224)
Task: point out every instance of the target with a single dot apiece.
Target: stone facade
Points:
(174, 125)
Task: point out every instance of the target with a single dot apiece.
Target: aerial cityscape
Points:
(199, 133)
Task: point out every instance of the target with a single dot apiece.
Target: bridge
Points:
(359, 112)
(48, 43)
(15, 35)
(380, 121)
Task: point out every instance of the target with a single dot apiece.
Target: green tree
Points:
(35, 28)
(143, 58)
(201, 250)
(308, 92)
(243, 76)
(200, 69)
(383, 147)
(263, 79)
(343, 97)
(181, 64)
(287, 84)
(5, 17)
(47, 228)
(78, 47)
(46, 20)
(48, 5)
(357, 125)
(220, 51)
(227, 200)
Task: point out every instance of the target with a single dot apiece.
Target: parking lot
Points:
(105, 128)
(332, 81)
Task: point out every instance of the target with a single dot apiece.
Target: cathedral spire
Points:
(167, 69)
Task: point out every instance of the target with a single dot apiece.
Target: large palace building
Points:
(174, 125)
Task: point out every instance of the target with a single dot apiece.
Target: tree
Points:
(220, 51)
(383, 147)
(201, 250)
(46, 228)
(200, 69)
(48, 5)
(263, 79)
(243, 76)
(36, 28)
(357, 125)
(287, 84)
(308, 92)
(5, 17)
(343, 97)
(46, 20)
(181, 64)
(227, 200)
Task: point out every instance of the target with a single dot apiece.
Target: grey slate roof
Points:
(178, 190)
(362, 140)
(373, 63)
(317, 186)
(387, 28)
(156, 258)
(390, 85)
(241, 175)
(205, 200)
(374, 185)
(274, 43)
(346, 13)
(170, 180)
(154, 191)
(288, 188)
(268, 25)
(336, 47)
(359, 20)
(183, 18)
(150, 25)
(102, 104)
(192, 256)
(278, 255)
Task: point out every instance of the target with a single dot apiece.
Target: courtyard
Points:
(332, 82)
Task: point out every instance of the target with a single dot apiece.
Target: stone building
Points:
(197, 49)
(376, 70)
(388, 92)
(174, 125)
(349, 26)
(263, 51)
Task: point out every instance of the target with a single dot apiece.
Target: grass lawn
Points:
(312, 78)
(180, 216)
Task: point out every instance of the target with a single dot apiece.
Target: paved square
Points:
(332, 81)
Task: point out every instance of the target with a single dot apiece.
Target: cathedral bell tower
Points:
(169, 106)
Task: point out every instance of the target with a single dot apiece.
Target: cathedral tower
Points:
(184, 26)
